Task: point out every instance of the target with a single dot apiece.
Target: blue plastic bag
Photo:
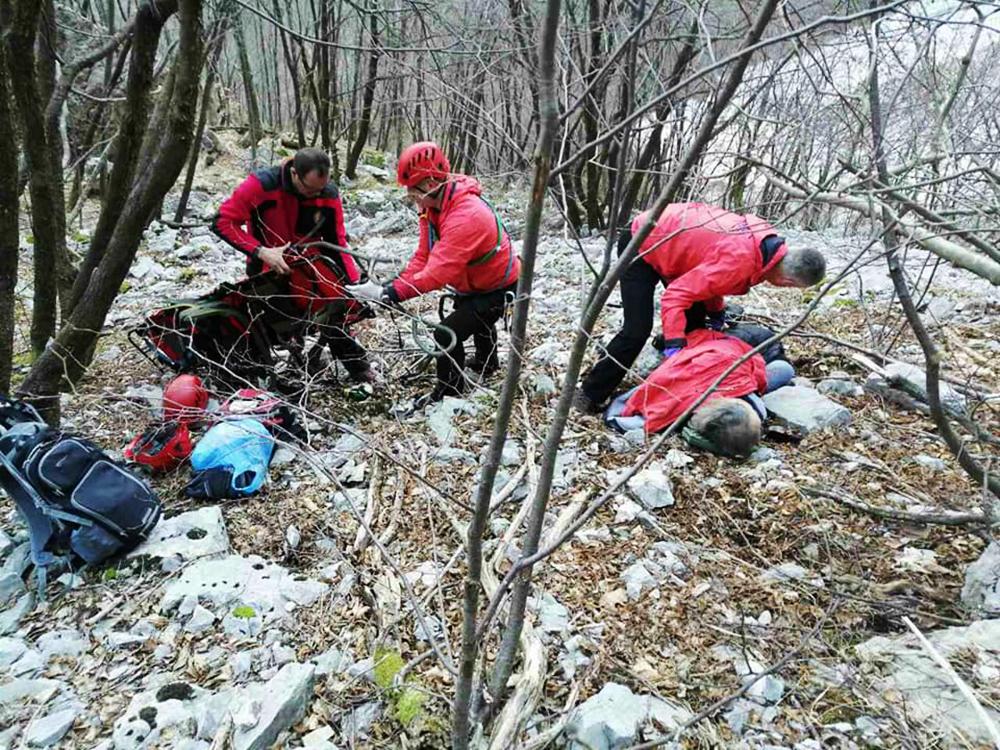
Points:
(231, 460)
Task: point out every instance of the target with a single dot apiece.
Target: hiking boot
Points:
(585, 404)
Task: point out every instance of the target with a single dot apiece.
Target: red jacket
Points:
(679, 380)
(703, 253)
(265, 210)
(463, 245)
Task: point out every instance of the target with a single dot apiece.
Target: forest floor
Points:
(748, 568)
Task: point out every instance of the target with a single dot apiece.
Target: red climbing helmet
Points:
(184, 398)
(162, 447)
(420, 161)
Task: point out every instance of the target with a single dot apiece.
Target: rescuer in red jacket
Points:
(277, 207)
(463, 246)
(701, 253)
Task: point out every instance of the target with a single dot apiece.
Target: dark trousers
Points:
(345, 347)
(475, 316)
(637, 285)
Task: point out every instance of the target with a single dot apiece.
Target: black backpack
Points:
(76, 501)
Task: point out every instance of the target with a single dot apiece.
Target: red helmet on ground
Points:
(420, 161)
(162, 447)
(184, 398)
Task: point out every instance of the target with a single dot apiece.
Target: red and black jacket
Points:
(266, 211)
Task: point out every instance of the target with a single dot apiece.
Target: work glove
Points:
(369, 290)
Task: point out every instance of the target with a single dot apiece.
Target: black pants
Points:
(637, 285)
(345, 347)
(475, 315)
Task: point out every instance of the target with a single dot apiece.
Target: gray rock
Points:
(768, 689)
(637, 578)
(839, 387)
(449, 455)
(553, 616)
(614, 717)
(905, 675)
(440, 417)
(512, 453)
(201, 619)
(188, 536)
(930, 462)
(283, 702)
(805, 410)
(11, 617)
(913, 380)
(62, 643)
(271, 590)
(18, 560)
(652, 487)
(22, 689)
(48, 730)
(357, 724)
(11, 649)
(333, 661)
(763, 453)
(31, 663)
(119, 639)
(981, 591)
(344, 449)
(6, 543)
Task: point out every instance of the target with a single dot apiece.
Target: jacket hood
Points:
(457, 187)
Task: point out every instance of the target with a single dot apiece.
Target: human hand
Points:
(369, 290)
(274, 258)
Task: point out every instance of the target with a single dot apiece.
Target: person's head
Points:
(726, 426)
(310, 171)
(423, 169)
(801, 267)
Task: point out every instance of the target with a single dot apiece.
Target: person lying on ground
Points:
(701, 253)
(729, 421)
(462, 245)
(278, 207)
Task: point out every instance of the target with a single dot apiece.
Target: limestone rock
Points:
(981, 592)
(271, 590)
(906, 675)
(283, 702)
(913, 380)
(652, 487)
(805, 410)
(613, 718)
(186, 537)
(47, 730)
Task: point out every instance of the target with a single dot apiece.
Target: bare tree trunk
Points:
(364, 124)
(484, 492)
(292, 64)
(21, 19)
(206, 105)
(249, 92)
(77, 336)
(600, 292)
(8, 226)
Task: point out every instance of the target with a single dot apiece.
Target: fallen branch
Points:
(946, 518)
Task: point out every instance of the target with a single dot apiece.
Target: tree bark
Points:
(250, 93)
(9, 237)
(79, 333)
(21, 18)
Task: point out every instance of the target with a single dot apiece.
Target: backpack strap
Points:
(38, 517)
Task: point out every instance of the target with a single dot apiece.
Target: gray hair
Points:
(729, 425)
(803, 265)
